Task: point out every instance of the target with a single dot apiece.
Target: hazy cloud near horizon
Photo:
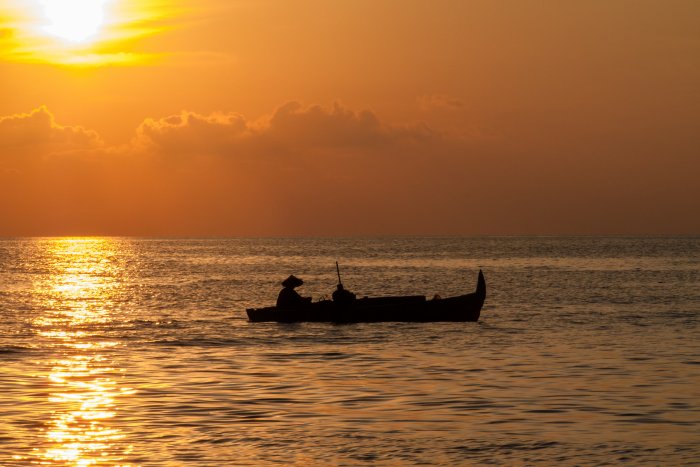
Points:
(308, 170)
(38, 133)
(291, 126)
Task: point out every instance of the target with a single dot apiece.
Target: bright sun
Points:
(74, 20)
(81, 33)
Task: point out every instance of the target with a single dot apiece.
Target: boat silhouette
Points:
(410, 308)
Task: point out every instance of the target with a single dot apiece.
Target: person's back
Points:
(288, 297)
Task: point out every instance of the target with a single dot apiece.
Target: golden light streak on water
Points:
(84, 391)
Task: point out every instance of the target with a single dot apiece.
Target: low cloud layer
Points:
(292, 127)
(314, 170)
(37, 133)
(439, 101)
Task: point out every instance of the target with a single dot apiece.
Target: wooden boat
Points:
(412, 308)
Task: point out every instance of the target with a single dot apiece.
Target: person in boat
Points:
(290, 298)
(342, 296)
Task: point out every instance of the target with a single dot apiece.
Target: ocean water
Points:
(121, 351)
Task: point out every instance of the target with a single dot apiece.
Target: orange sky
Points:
(269, 117)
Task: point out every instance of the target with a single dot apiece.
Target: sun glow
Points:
(83, 33)
(74, 20)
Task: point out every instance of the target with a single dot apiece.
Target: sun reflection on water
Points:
(83, 379)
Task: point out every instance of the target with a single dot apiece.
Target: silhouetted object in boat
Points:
(290, 298)
(413, 308)
(342, 296)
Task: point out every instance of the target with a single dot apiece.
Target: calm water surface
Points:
(118, 351)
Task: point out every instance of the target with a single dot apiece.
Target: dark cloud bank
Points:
(312, 170)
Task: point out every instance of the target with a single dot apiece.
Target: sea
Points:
(138, 352)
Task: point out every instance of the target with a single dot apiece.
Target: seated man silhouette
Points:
(290, 298)
(342, 296)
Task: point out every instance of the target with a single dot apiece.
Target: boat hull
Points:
(381, 309)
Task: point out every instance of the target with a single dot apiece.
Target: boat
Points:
(411, 308)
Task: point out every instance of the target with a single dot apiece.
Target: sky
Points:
(349, 117)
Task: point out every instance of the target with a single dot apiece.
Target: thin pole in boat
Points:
(337, 268)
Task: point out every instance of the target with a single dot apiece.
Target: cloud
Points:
(297, 170)
(317, 127)
(314, 170)
(192, 133)
(291, 127)
(37, 133)
(439, 101)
